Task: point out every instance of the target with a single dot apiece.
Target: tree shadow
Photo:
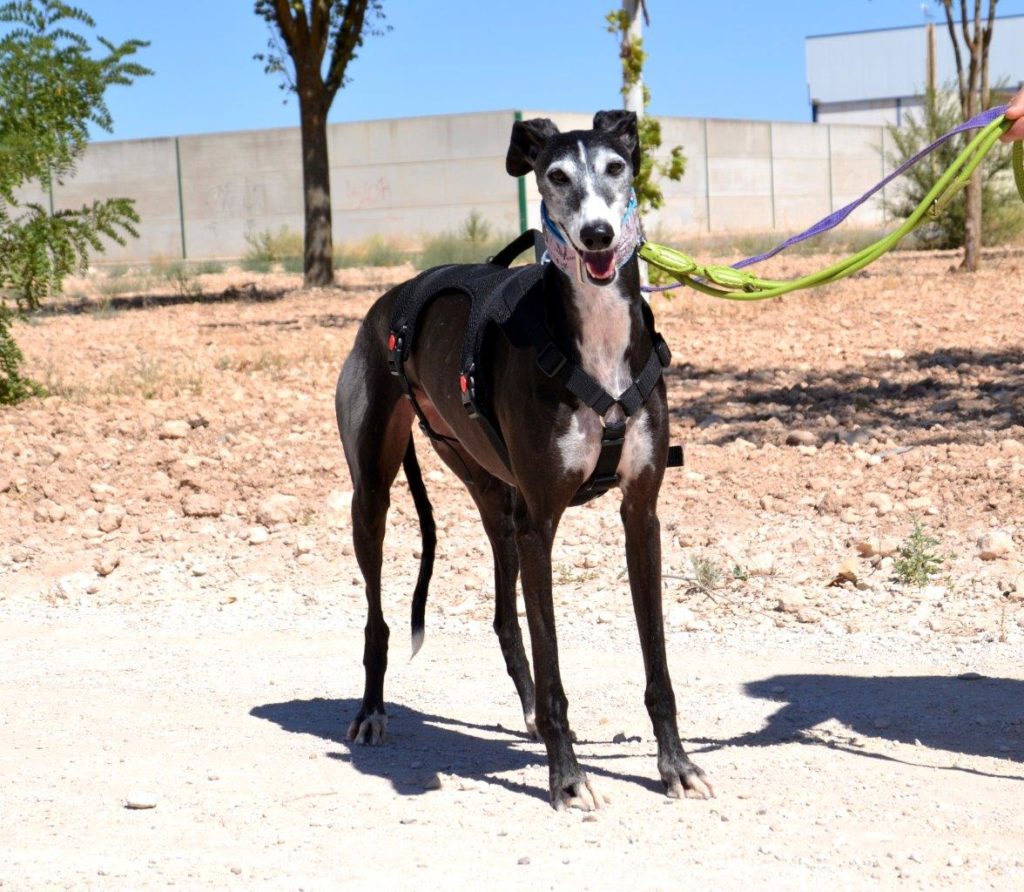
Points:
(967, 715)
(937, 396)
(247, 293)
(420, 746)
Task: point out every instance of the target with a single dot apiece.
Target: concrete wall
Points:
(413, 177)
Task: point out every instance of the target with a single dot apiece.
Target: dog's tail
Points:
(429, 533)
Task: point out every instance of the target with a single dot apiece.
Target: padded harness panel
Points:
(511, 301)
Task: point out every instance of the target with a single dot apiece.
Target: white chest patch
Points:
(603, 338)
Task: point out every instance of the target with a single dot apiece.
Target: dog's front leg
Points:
(643, 559)
(569, 786)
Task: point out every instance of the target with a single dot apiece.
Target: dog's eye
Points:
(558, 177)
(614, 168)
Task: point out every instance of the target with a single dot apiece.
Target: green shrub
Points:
(208, 268)
(1002, 218)
(378, 252)
(256, 264)
(293, 265)
(274, 246)
(917, 562)
(473, 243)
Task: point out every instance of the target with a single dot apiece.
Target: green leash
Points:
(737, 284)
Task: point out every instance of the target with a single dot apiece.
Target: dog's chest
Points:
(604, 335)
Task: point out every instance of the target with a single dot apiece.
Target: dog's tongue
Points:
(600, 264)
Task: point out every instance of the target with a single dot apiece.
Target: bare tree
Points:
(305, 34)
(973, 86)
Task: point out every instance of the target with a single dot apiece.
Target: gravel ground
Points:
(182, 614)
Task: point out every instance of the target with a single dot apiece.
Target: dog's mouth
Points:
(599, 265)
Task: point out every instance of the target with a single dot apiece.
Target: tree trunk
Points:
(972, 225)
(318, 264)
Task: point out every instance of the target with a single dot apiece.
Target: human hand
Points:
(1015, 113)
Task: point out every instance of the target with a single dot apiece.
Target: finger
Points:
(1016, 131)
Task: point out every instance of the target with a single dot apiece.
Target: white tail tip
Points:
(417, 642)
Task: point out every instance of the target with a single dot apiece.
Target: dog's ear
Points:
(528, 138)
(621, 125)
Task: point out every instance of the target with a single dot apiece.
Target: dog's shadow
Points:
(967, 715)
(421, 746)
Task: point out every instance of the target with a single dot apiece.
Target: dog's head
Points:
(585, 178)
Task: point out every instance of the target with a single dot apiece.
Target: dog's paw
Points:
(684, 780)
(578, 792)
(368, 729)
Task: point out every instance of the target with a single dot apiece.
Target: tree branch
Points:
(947, 6)
(293, 29)
(347, 38)
(320, 29)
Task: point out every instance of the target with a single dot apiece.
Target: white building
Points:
(875, 77)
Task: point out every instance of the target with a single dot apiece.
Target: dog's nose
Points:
(597, 236)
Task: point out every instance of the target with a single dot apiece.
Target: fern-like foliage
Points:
(53, 85)
(1001, 215)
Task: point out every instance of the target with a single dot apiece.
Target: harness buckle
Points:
(467, 389)
(396, 345)
(613, 435)
(550, 359)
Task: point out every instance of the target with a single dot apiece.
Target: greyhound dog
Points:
(593, 307)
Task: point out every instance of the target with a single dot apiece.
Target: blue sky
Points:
(729, 59)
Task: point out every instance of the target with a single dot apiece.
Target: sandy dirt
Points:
(181, 614)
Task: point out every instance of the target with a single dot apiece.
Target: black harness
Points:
(511, 300)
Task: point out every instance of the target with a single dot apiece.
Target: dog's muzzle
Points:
(595, 267)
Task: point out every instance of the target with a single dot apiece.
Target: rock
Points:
(338, 509)
(5, 483)
(880, 501)
(102, 492)
(761, 564)
(175, 429)
(304, 545)
(139, 800)
(834, 501)
(1015, 590)
(995, 544)
(200, 504)
(848, 571)
(278, 508)
(48, 511)
(867, 547)
(801, 438)
(888, 546)
(199, 568)
(857, 437)
(791, 602)
(111, 518)
(107, 563)
(808, 615)
(680, 617)
(257, 535)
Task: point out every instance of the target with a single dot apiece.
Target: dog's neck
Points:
(604, 324)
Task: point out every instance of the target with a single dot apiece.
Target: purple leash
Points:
(837, 217)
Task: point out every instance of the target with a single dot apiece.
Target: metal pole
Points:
(707, 177)
(635, 93)
(521, 187)
(181, 199)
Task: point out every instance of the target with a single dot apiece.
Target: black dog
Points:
(553, 435)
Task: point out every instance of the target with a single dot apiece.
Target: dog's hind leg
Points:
(375, 425)
(495, 500)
